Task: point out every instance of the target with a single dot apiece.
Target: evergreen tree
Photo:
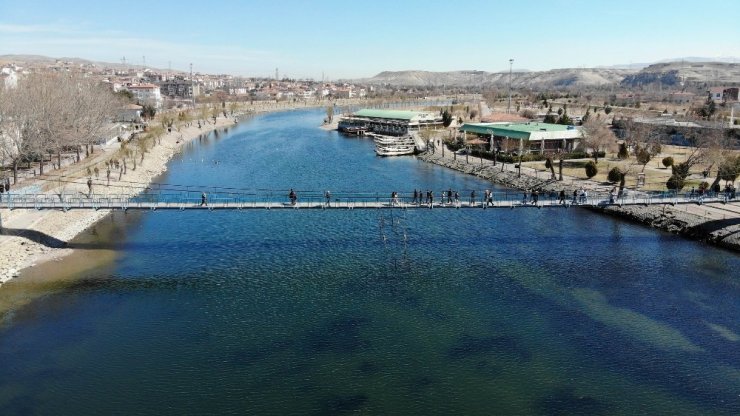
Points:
(623, 153)
(614, 175)
(565, 120)
(709, 108)
(643, 157)
(446, 118)
(591, 169)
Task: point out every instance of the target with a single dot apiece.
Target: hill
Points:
(38, 60)
(667, 73)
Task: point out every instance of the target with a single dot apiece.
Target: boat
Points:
(394, 150)
(348, 127)
(390, 141)
(394, 145)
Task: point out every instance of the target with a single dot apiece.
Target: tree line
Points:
(47, 114)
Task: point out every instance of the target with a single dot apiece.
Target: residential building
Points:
(147, 94)
(724, 94)
(178, 88)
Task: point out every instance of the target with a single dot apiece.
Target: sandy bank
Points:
(30, 237)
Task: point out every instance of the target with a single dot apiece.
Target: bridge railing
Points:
(268, 199)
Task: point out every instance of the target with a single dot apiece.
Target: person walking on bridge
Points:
(203, 199)
(292, 196)
(327, 195)
(472, 197)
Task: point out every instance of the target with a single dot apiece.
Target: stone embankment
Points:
(692, 222)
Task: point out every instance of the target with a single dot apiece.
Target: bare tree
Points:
(597, 137)
(48, 112)
(203, 114)
(716, 150)
(16, 125)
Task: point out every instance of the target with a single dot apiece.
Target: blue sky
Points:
(352, 39)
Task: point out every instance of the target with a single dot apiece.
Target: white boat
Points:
(390, 140)
(394, 150)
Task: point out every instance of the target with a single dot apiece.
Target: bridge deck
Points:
(158, 202)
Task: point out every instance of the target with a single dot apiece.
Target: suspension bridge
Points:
(344, 201)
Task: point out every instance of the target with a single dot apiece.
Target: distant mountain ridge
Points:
(695, 70)
(667, 73)
(46, 60)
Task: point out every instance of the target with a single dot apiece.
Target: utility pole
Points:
(511, 64)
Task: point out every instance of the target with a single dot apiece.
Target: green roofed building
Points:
(524, 137)
(390, 122)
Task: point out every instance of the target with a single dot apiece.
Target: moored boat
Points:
(394, 150)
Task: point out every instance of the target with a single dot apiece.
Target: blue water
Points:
(375, 312)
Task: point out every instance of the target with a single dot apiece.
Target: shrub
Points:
(614, 175)
(675, 182)
(643, 156)
(623, 153)
(591, 169)
(667, 161)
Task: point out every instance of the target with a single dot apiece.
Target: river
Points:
(380, 312)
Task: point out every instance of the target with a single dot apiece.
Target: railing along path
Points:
(317, 200)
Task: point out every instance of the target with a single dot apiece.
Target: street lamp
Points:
(511, 63)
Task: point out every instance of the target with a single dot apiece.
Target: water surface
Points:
(380, 312)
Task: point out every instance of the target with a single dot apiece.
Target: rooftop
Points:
(140, 86)
(517, 130)
(392, 114)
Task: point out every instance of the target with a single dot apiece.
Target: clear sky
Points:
(353, 39)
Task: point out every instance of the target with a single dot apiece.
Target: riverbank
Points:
(715, 223)
(32, 237)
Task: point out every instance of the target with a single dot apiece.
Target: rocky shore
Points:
(722, 231)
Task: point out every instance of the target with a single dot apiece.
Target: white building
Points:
(129, 113)
(147, 94)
